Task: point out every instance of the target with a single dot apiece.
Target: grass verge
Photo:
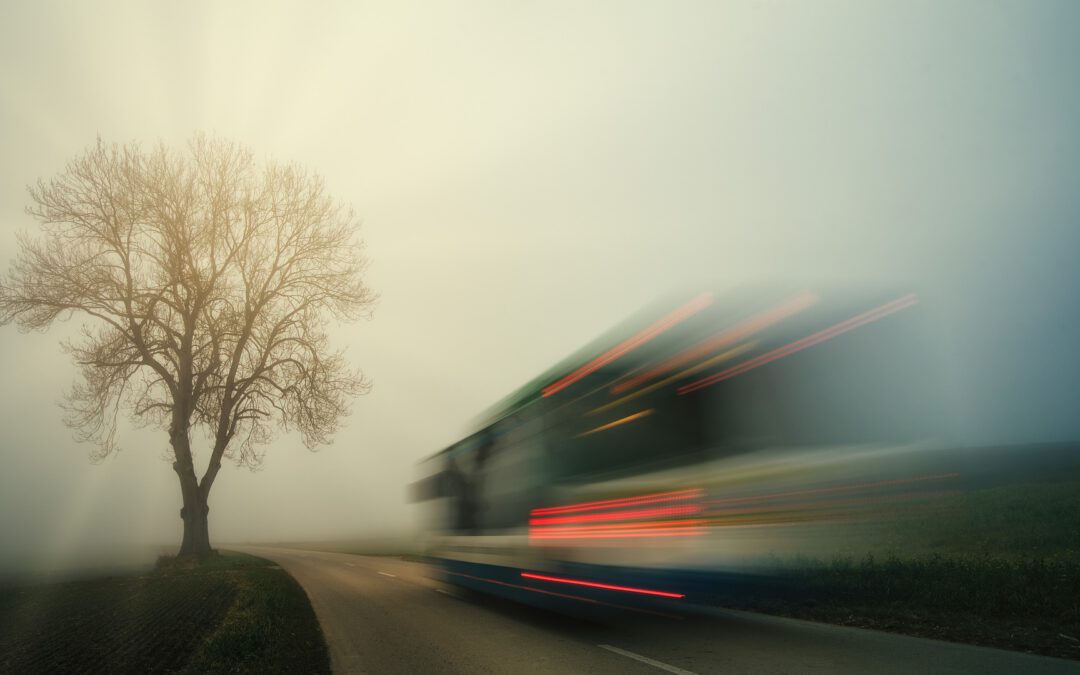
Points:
(232, 614)
(998, 567)
(1027, 605)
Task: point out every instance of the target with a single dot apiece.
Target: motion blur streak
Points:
(638, 525)
(809, 341)
(634, 534)
(627, 501)
(622, 420)
(620, 515)
(644, 522)
(727, 337)
(609, 587)
(840, 488)
(719, 358)
(686, 311)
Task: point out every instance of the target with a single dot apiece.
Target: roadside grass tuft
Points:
(271, 627)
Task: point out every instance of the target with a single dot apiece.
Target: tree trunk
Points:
(195, 514)
(195, 511)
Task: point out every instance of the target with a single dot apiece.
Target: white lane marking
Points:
(645, 659)
(439, 590)
(350, 564)
(387, 574)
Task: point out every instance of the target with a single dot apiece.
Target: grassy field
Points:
(236, 614)
(998, 566)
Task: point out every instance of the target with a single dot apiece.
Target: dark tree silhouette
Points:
(207, 282)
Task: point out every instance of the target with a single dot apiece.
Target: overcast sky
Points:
(530, 173)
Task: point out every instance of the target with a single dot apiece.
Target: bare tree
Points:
(207, 283)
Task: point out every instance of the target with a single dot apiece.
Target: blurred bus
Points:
(692, 441)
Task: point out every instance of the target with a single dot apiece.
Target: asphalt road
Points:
(385, 615)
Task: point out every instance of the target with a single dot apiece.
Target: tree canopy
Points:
(207, 282)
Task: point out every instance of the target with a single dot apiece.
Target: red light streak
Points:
(646, 534)
(620, 515)
(620, 534)
(640, 529)
(639, 525)
(608, 587)
(678, 316)
(727, 337)
(625, 501)
(809, 341)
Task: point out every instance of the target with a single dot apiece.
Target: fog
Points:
(528, 174)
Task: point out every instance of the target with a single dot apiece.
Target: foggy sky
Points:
(530, 173)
